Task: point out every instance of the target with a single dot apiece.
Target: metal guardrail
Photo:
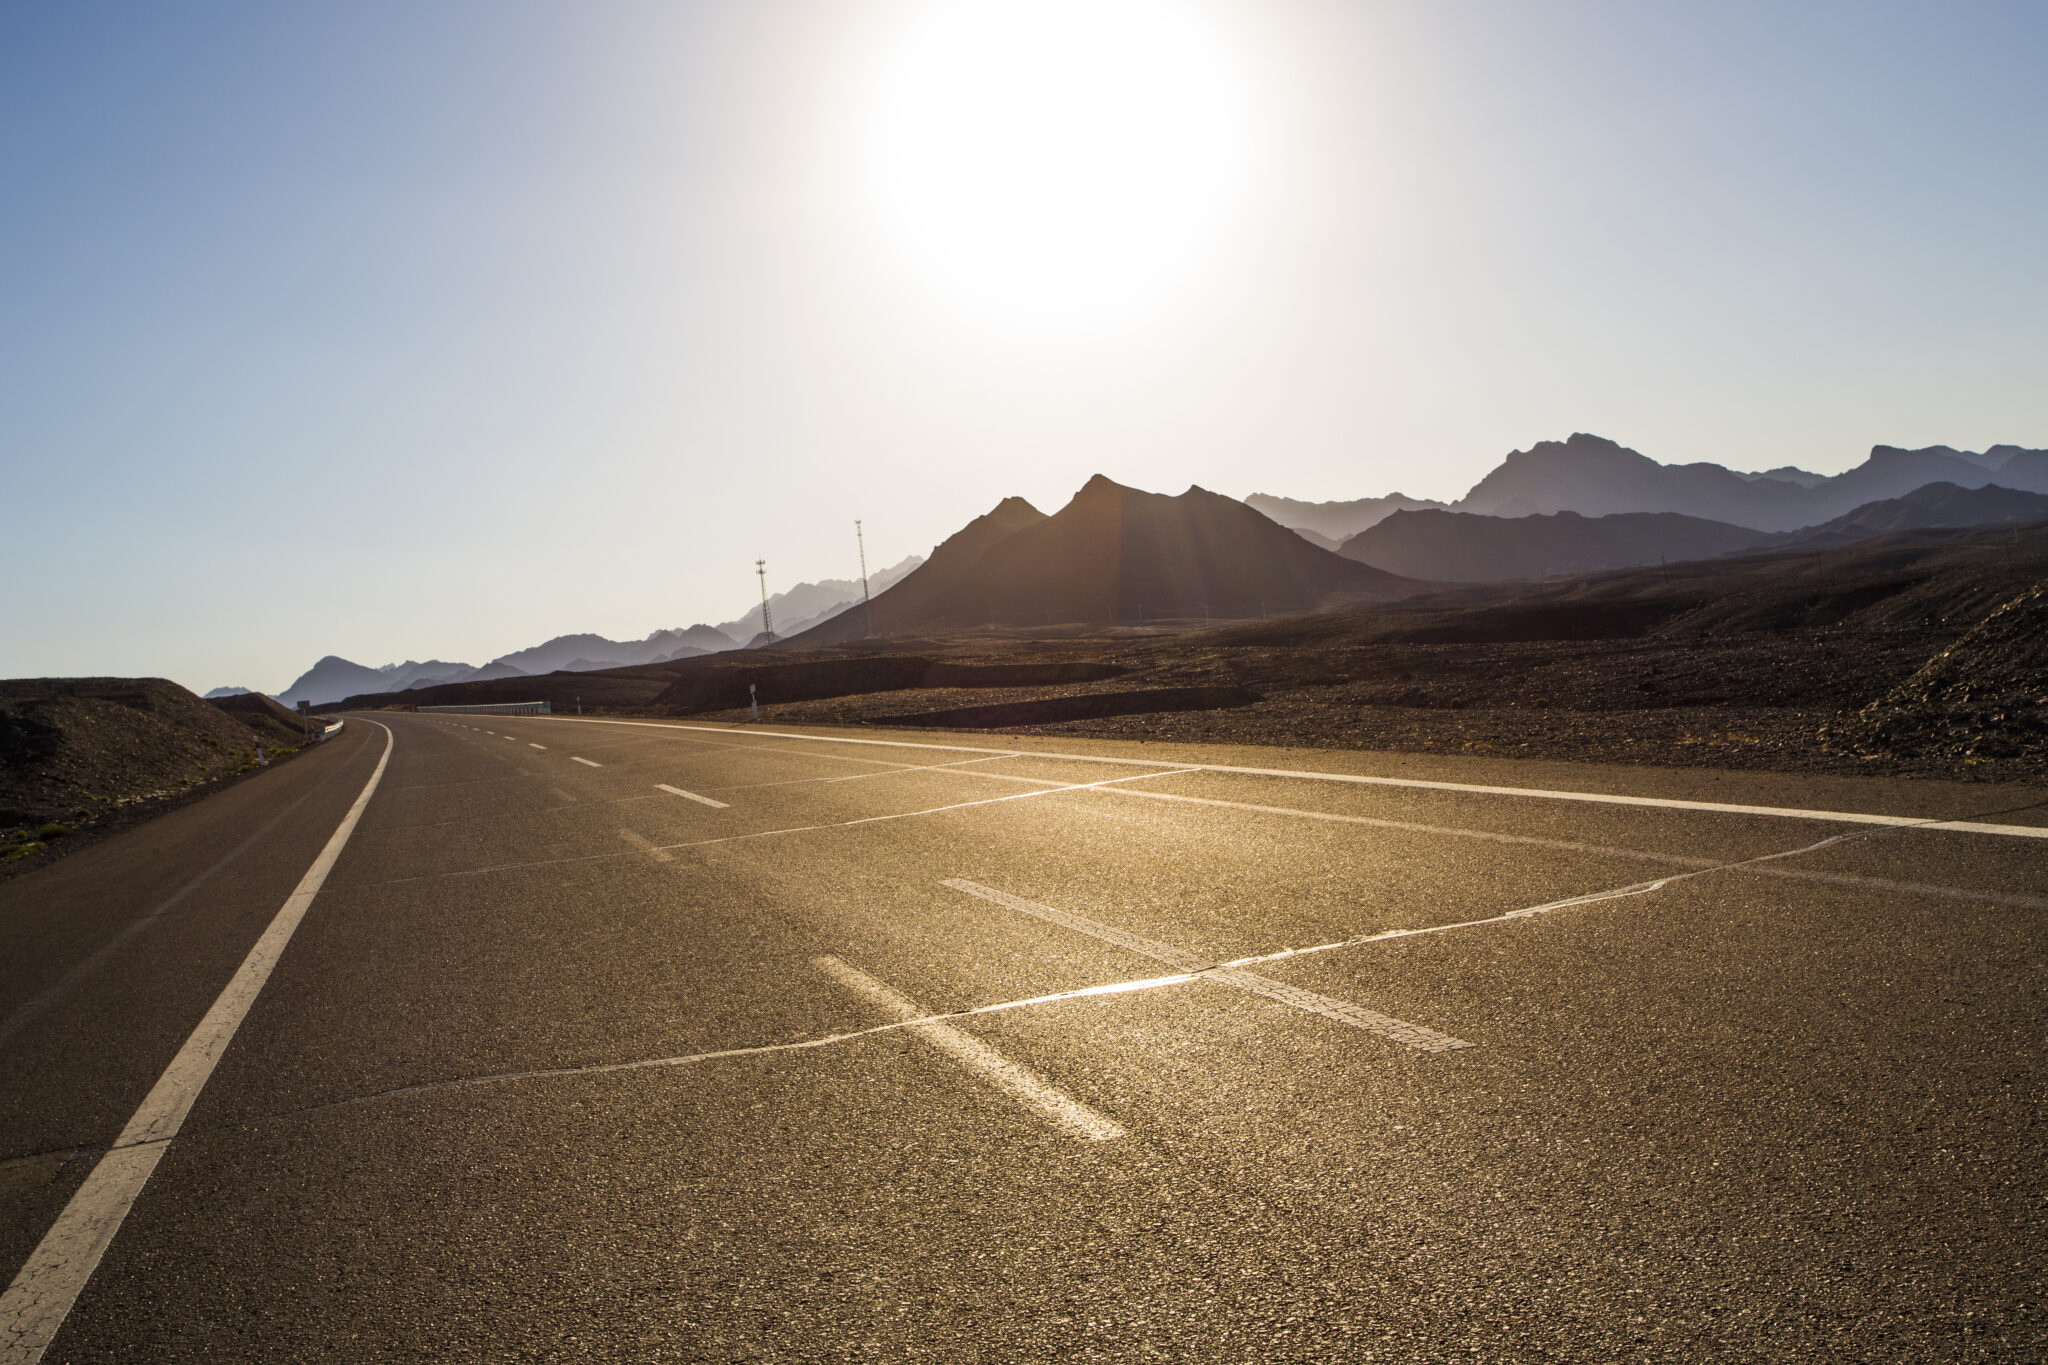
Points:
(496, 708)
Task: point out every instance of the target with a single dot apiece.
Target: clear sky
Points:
(438, 328)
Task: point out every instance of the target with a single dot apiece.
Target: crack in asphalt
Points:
(1122, 987)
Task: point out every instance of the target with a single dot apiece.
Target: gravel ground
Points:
(1762, 700)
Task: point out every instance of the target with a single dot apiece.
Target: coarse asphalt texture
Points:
(1769, 1088)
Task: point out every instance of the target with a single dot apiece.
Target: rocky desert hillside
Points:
(76, 753)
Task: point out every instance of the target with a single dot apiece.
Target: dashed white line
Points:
(531, 745)
(37, 1302)
(1014, 1079)
(1914, 822)
(1343, 1011)
(690, 796)
(586, 763)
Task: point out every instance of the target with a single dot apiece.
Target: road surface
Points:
(506, 1038)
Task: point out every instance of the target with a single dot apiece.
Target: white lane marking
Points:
(531, 745)
(1532, 793)
(894, 770)
(771, 833)
(791, 829)
(586, 763)
(1800, 874)
(37, 1302)
(647, 846)
(690, 796)
(1343, 1011)
(1018, 1081)
(509, 739)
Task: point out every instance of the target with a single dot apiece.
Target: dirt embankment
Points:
(77, 754)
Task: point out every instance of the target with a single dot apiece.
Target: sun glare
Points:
(1057, 164)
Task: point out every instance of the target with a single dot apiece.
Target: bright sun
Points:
(1057, 164)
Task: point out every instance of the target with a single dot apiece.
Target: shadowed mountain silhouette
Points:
(1937, 504)
(1596, 477)
(1118, 555)
(913, 604)
(1462, 547)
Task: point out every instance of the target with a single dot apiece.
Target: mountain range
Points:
(1468, 547)
(1329, 524)
(808, 604)
(1113, 555)
(334, 678)
(1594, 477)
(1120, 556)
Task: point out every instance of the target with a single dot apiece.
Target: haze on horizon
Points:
(443, 329)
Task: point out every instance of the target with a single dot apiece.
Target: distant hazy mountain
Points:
(1596, 477)
(336, 679)
(220, 692)
(1335, 522)
(1786, 473)
(1116, 555)
(2025, 470)
(810, 604)
(1463, 547)
(583, 653)
(1937, 504)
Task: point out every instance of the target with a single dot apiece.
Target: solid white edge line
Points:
(40, 1298)
(1533, 793)
(690, 796)
(1020, 1082)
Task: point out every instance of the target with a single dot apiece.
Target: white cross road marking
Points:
(647, 846)
(1020, 1082)
(1343, 1011)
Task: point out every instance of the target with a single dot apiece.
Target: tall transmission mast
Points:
(767, 622)
(867, 607)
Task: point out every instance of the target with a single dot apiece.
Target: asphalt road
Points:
(616, 1042)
